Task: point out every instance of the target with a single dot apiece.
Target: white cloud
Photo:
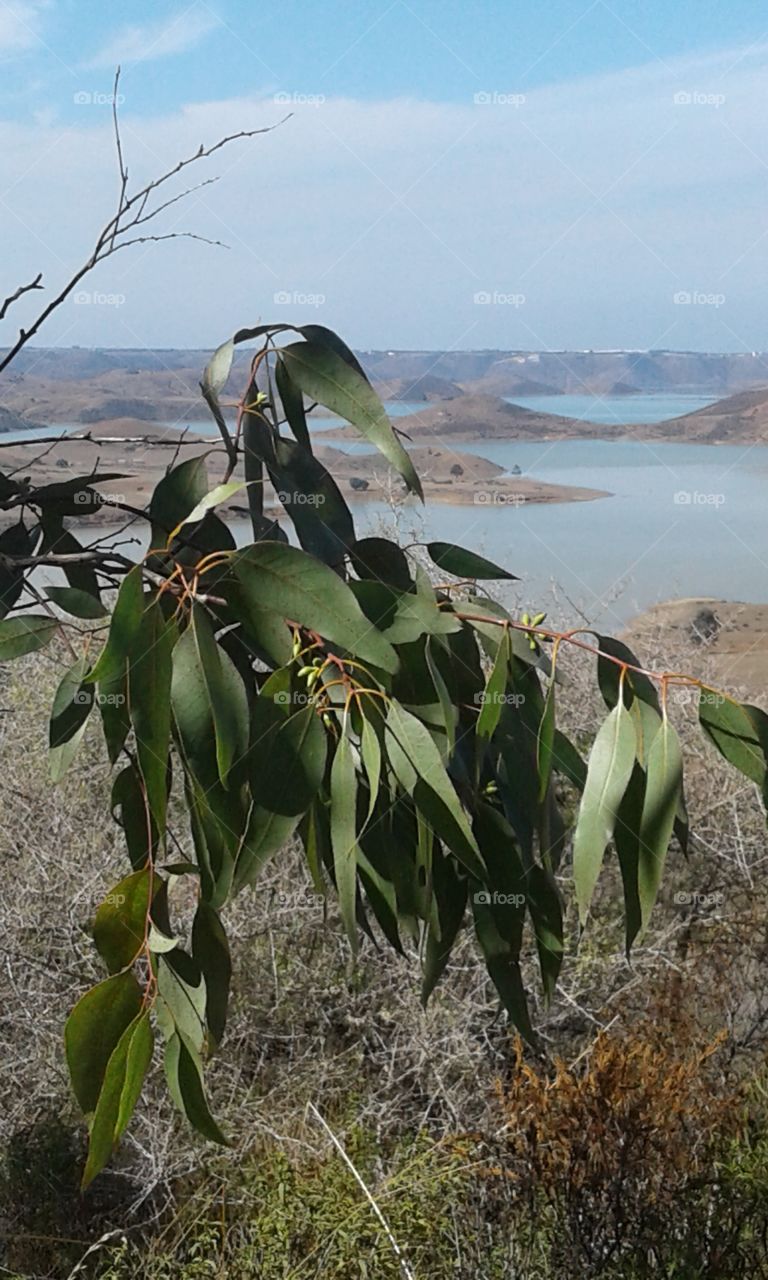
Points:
(156, 40)
(19, 26)
(596, 199)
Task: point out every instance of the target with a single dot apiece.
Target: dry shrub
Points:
(629, 1152)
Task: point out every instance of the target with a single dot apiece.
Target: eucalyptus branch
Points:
(131, 213)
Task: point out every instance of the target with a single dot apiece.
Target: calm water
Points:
(617, 409)
(683, 520)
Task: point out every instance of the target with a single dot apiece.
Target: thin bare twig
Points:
(132, 212)
(22, 289)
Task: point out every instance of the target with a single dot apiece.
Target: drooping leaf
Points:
(737, 730)
(626, 837)
(123, 1078)
(461, 563)
(16, 540)
(326, 377)
(287, 758)
(493, 696)
(380, 560)
(122, 919)
(545, 743)
(664, 770)
(211, 951)
(149, 694)
(293, 403)
(81, 604)
(450, 894)
(609, 768)
(419, 769)
(71, 708)
(291, 583)
(124, 628)
(226, 695)
(25, 634)
(185, 1080)
(93, 1030)
(344, 834)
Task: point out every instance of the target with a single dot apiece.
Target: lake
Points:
(683, 519)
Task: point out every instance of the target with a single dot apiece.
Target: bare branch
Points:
(22, 289)
(131, 213)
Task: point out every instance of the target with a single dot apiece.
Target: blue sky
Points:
(496, 175)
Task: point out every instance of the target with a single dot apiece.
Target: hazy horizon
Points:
(576, 178)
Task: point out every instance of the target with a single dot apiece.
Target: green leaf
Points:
(265, 835)
(149, 698)
(121, 920)
(664, 771)
(123, 1078)
(492, 699)
(71, 708)
(226, 695)
(182, 997)
(545, 742)
(626, 837)
(609, 768)
(419, 769)
(124, 628)
(313, 501)
(380, 560)
(293, 403)
(185, 1081)
(175, 496)
(25, 634)
(16, 540)
(81, 604)
(287, 759)
(461, 563)
(737, 730)
(344, 834)
(567, 760)
(221, 493)
(609, 675)
(546, 913)
(138, 825)
(291, 583)
(211, 951)
(370, 754)
(450, 899)
(503, 966)
(93, 1030)
(325, 376)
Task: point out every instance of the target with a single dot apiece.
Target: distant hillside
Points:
(494, 372)
(479, 417)
(426, 387)
(12, 422)
(743, 417)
